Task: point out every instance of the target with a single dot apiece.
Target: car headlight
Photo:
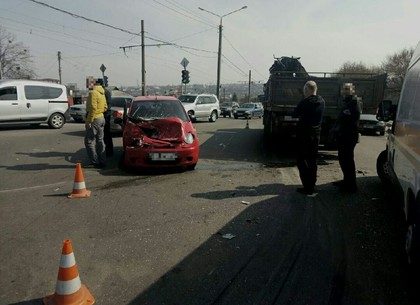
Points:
(248, 112)
(381, 123)
(189, 138)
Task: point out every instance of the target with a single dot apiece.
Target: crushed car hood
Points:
(161, 131)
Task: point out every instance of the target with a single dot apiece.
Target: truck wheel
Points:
(56, 121)
(383, 168)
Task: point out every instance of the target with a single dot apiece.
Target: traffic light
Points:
(105, 81)
(185, 76)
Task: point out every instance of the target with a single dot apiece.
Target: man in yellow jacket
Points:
(95, 122)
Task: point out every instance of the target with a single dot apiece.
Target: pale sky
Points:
(324, 33)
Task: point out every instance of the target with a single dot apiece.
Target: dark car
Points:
(227, 108)
(369, 124)
(157, 132)
(249, 111)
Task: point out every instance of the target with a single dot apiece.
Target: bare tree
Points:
(15, 58)
(358, 67)
(395, 66)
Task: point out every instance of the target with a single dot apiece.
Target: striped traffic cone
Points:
(79, 186)
(69, 289)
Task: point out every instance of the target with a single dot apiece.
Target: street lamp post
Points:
(219, 52)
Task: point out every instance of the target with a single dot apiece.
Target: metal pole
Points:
(143, 71)
(219, 59)
(219, 53)
(249, 87)
(59, 66)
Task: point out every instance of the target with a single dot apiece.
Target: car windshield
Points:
(226, 104)
(187, 98)
(157, 109)
(119, 101)
(247, 106)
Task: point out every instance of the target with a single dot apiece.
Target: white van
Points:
(33, 102)
(400, 162)
(201, 106)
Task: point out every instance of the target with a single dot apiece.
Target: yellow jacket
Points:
(96, 104)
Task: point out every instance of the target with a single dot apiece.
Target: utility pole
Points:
(219, 52)
(59, 66)
(249, 87)
(143, 70)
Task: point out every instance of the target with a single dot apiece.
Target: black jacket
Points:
(310, 112)
(348, 120)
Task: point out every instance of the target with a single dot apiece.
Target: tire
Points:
(56, 121)
(383, 168)
(382, 133)
(213, 117)
(191, 115)
(236, 117)
(191, 167)
(412, 241)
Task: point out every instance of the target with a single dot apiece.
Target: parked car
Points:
(369, 124)
(201, 106)
(227, 108)
(78, 112)
(157, 132)
(33, 103)
(249, 111)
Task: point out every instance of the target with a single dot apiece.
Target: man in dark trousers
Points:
(310, 112)
(347, 135)
(109, 145)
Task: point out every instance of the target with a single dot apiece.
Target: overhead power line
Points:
(82, 17)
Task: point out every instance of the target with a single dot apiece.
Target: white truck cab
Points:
(400, 162)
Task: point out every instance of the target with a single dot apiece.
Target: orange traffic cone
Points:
(79, 186)
(69, 289)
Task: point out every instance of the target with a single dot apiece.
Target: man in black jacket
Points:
(310, 112)
(347, 136)
(109, 145)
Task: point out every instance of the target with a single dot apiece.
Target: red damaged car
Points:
(157, 132)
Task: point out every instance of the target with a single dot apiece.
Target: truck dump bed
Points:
(284, 93)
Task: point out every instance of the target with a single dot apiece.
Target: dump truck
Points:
(284, 90)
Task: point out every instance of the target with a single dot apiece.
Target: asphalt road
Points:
(234, 231)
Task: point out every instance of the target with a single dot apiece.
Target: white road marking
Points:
(31, 187)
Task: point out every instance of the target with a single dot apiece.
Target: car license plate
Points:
(163, 156)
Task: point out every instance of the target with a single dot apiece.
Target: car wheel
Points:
(382, 133)
(192, 117)
(383, 168)
(235, 116)
(412, 241)
(213, 116)
(191, 167)
(56, 121)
